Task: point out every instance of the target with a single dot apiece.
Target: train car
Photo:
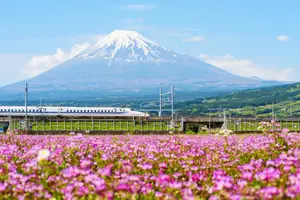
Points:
(40, 111)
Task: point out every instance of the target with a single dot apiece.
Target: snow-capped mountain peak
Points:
(126, 39)
(122, 46)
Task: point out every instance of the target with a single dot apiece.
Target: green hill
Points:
(255, 102)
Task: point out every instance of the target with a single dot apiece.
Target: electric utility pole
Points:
(172, 97)
(160, 100)
(26, 101)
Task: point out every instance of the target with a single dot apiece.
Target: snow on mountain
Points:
(123, 46)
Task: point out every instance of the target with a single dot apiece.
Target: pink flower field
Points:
(150, 167)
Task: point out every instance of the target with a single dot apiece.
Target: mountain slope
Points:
(125, 62)
(254, 103)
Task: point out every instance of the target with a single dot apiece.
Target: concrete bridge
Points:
(182, 123)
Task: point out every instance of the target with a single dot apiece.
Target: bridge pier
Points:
(4, 125)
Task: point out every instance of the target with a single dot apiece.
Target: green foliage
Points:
(249, 103)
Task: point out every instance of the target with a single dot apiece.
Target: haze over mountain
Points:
(125, 62)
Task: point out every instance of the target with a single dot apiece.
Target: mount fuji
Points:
(125, 62)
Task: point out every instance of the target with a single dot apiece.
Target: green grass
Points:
(244, 126)
(95, 126)
(252, 126)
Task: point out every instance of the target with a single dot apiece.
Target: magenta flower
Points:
(85, 163)
(268, 174)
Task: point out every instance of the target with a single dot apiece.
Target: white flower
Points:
(226, 132)
(43, 154)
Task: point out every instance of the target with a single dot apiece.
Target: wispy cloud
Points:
(194, 39)
(283, 38)
(247, 68)
(139, 7)
(42, 63)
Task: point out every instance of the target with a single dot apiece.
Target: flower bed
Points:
(150, 167)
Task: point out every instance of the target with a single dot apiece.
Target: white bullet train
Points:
(19, 111)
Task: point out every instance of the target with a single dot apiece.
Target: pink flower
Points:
(285, 131)
(268, 174)
(106, 171)
(3, 186)
(247, 176)
(86, 163)
(270, 192)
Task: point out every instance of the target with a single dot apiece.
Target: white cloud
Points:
(39, 64)
(132, 21)
(11, 65)
(139, 7)
(247, 68)
(283, 38)
(194, 39)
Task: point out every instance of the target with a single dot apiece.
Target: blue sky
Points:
(249, 38)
